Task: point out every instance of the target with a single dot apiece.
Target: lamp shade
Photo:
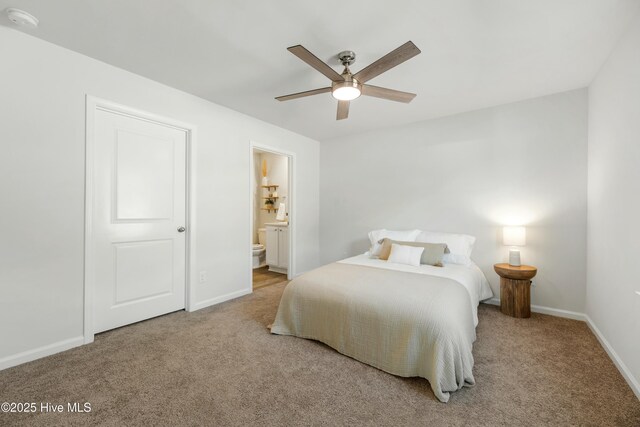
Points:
(514, 236)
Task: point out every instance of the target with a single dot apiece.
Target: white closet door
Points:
(139, 215)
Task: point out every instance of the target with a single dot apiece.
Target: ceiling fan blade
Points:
(387, 62)
(315, 62)
(303, 94)
(343, 110)
(390, 94)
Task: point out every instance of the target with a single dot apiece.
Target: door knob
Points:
(181, 229)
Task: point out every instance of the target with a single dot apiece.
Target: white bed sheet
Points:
(469, 276)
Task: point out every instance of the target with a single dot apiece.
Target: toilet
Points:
(258, 250)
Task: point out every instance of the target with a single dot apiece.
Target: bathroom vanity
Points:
(277, 246)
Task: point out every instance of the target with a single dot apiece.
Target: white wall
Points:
(471, 173)
(42, 132)
(614, 203)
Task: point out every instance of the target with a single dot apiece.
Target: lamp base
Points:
(514, 258)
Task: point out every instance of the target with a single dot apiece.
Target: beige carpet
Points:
(220, 366)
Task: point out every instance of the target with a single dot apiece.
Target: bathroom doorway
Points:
(271, 248)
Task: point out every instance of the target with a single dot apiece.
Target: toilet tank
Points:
(262, 233)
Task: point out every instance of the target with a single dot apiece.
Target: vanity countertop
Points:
(277, 224)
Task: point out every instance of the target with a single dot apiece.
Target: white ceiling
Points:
(475, 53)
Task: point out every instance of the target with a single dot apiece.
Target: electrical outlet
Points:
(203, 276)
(638, 292)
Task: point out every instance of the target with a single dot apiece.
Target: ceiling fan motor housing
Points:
(347, 57)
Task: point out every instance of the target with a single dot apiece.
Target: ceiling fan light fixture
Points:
(346, 91)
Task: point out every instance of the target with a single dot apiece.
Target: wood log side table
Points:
(515, 289)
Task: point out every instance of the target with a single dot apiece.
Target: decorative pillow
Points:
(432, 255)
(460, 245)
(409, 255)
(376, 236)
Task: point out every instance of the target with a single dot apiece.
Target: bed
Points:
(406, 320)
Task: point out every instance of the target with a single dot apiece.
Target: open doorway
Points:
(271, 228)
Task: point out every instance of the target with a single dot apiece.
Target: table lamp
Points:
(514, 236)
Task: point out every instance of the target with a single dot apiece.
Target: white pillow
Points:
(402, 254)
(460, 245)
(376, 235)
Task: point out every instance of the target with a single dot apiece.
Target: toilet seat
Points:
(257, 249)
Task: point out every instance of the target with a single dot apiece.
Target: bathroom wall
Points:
(277, 173)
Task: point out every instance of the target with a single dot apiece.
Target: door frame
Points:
(94, 104)
(291, 159)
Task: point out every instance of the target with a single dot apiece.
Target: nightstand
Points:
(515, 289)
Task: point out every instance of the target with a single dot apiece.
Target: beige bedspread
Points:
(404, 323)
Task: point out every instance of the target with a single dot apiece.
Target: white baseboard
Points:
(626, 373)
(48, 350)
(37, 353)
(547, 310)
(278, 270)
(217, 300)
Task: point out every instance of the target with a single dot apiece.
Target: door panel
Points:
(143, 270)
(144, 166)
(139, 203)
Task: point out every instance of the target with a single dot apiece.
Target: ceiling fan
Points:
(346, 87)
